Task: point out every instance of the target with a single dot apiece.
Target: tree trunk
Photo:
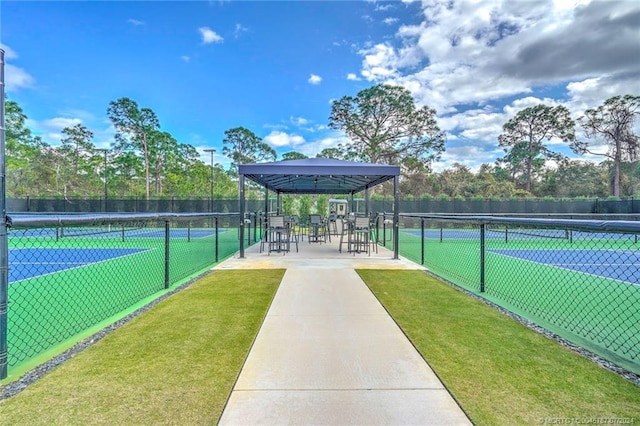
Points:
(528, 184)
(616, 170)
(616, 178)
(147, 184)
(529, 161)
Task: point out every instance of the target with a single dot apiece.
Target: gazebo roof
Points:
(318, 175)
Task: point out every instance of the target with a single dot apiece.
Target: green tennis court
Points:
(62, 285)
(584, 289)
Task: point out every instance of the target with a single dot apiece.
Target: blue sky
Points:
(275, 66)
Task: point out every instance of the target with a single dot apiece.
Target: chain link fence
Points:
(577, 278)
(68, 274)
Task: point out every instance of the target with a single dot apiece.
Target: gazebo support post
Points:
(366, 201)
(241, 220)
(352, 203)
(279, 203)
(396, 215)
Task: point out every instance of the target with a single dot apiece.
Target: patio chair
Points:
(346, 234)
(264, 231)
(317, 229)
(278, 238)
(292, 232)
(299, 227)
(362, 237)
(333, 224)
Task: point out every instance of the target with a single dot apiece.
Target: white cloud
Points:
(591, 92)
(239, 30)
(314, 79)
(50, 130)
(312, 148)
(185, 58)
(380, 62)
(472, 156)
(351, 76)
(390, 21)
(209, 36)
(59, 123)
(280, 139)
(135, 22)
(16, 78)
(383, 7)
(468, 51)
(82, 115)
(317, 128)
(299, 121)
(478, 125)
(9, 53)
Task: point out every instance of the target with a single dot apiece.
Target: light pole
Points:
(211, 151)
(105, 176)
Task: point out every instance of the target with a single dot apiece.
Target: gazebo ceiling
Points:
(318, 175)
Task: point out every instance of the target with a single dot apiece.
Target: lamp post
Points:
(105, 151)
(211, 151)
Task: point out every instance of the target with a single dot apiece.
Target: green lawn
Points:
(500, 371)
(176, 363)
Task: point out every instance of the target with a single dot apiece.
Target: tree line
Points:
(383, 125)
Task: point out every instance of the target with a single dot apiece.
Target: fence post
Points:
(422, 242)
(4, 244)
(216, 220)
(384, 230)
(166, 254)
(247, 222)
(482, 250)
(254, 217)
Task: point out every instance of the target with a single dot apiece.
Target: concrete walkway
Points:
(329, 354)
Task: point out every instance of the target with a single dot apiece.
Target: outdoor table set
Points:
(279, 234)
(357, 235)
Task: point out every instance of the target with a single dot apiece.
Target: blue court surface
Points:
(27, 263)
(175, 233)
(621, 265)
(113, 232)
(518, 234)
(474, 233)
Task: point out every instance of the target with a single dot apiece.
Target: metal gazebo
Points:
(319, 176)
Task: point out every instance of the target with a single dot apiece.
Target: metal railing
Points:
(577, 278)
(70, 273)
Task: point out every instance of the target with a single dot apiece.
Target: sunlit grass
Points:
(500, 371)
(175, 364)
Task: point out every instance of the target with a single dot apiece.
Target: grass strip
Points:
(174, 364)
(500, 371)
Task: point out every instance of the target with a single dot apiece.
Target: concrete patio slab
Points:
(317, 255)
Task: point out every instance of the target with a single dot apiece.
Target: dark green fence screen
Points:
(478, 206)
